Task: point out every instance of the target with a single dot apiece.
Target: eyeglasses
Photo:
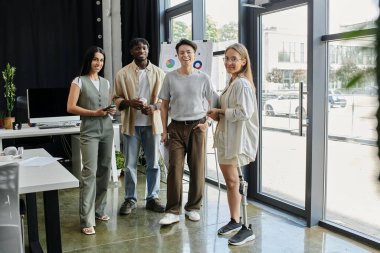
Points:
(232, 60)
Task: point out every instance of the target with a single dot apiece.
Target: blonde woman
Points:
(236, 135)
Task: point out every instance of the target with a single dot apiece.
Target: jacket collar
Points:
(149, 67)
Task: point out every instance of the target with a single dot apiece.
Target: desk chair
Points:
(10, 231)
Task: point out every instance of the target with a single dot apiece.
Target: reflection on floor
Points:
(141, 232)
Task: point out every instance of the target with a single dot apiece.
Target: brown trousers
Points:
(183, 139)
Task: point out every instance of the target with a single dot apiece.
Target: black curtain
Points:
(140, 18)
(46, 39)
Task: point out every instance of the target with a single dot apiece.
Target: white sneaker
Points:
(193, 215)
(169, 218)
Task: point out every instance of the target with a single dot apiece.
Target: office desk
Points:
(27, 131)
(47, 179)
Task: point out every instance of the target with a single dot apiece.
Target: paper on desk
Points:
(39, 161)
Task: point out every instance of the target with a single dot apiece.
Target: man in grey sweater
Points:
(189, 93)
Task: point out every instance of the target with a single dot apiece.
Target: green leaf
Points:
(10, 88)
(119, 160)
(355, 79)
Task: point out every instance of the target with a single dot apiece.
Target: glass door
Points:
(283, 62)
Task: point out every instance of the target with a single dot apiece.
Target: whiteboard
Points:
(203, 57)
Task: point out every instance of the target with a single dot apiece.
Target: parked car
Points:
(336, 99)
(371, 90)
(266, 97)
(286, 104)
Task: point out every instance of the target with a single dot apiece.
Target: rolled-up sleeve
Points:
(165, 92)
(242, 107)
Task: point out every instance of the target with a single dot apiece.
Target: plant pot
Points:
(8, 122)
(1, 122)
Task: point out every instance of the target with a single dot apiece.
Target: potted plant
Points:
(119, 162)
(9, 94)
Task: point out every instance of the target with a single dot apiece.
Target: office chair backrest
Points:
(10, 230)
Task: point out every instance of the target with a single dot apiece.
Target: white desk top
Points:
(44, 178)
(27, 131)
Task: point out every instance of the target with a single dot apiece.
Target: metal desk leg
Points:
(52, 222)
(31, 210)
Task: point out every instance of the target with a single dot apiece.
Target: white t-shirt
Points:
(78, 82)
(143, 91)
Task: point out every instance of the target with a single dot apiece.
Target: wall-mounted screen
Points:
(49, 105)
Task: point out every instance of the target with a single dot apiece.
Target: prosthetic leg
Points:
(245, 234)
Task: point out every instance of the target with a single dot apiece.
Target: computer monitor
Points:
(49, 105)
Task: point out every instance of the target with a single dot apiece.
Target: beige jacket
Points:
(241, 134)
(126, 84)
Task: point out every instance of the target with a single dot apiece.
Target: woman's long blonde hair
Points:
(246, 69)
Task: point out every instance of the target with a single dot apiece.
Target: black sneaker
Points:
(244, 235)
(127, 207)
(232, 226)
(155, 206)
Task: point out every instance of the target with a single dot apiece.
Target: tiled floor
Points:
(141, 232)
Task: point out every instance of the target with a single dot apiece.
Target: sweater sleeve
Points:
(240, 107)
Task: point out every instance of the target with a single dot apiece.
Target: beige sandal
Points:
(88, 231)
(104, 217)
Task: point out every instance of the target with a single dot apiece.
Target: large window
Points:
(283, 143)
(181, 27)
(221, 23)
(352, 188)
(178, 20)
(353, 191)
(221, 27)
(172, 3)
(348, 15)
